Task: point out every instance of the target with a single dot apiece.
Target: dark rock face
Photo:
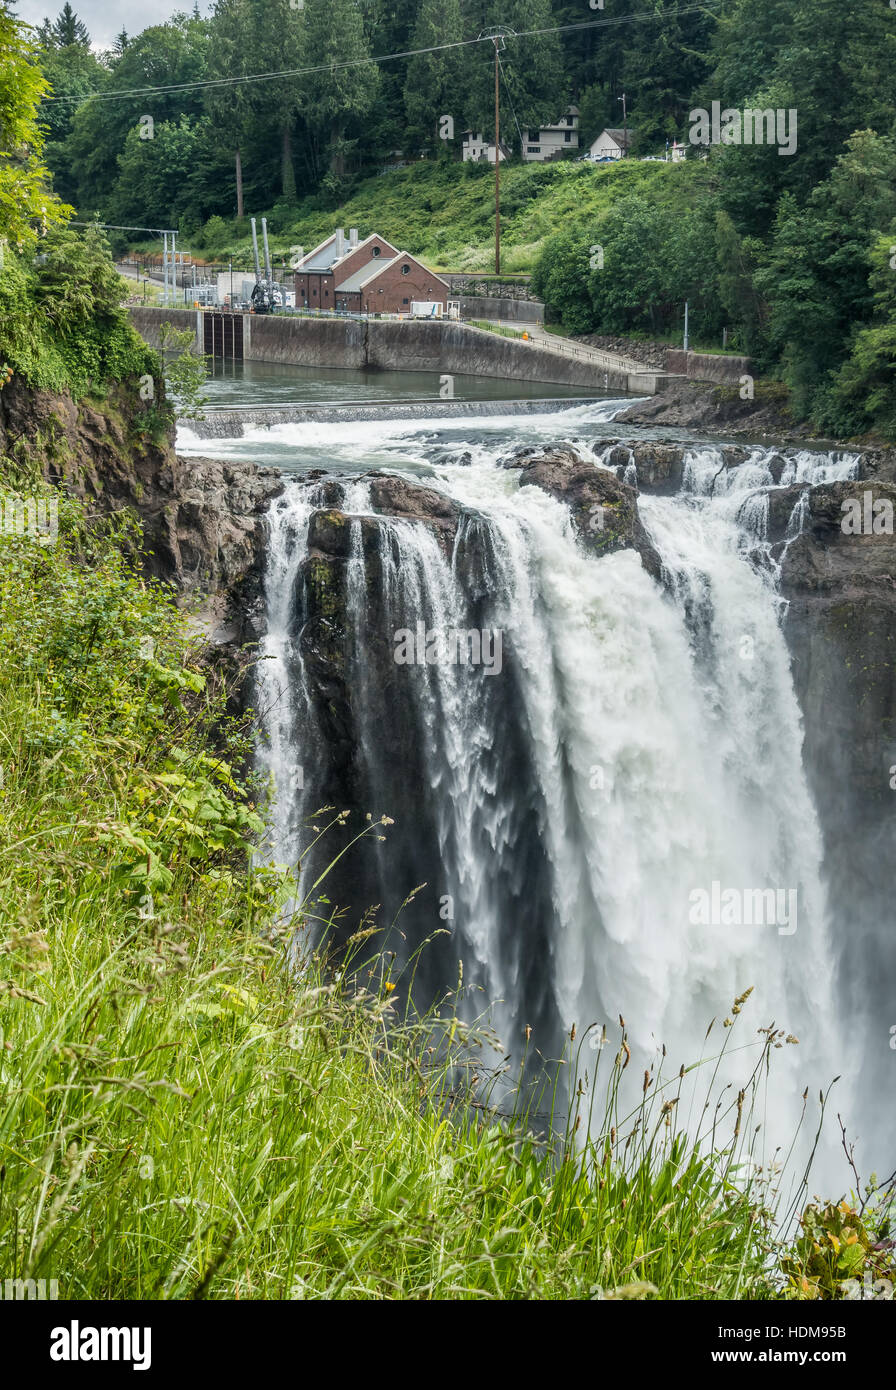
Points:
(841, 627)
(202, 518)
(879, 465)
(604, 510)
(841, 631)
(695, 405)
(660, 466)
(396, 496)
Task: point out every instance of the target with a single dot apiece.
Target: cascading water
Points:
(636, 756)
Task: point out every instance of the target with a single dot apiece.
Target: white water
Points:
(663, 734)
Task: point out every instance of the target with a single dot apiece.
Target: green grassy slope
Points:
(444, 212)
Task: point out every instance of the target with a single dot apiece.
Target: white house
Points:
(551, 140)
(475, 148)
(679, 152)
(611, 144)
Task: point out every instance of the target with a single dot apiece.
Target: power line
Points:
(707, 7)
(510, 99)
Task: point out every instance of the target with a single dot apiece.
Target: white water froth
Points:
(665, 738)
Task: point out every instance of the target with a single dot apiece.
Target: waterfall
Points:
(580, 814)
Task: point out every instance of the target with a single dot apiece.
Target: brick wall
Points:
(318, 287)
(393, 291)
(314, 288)
(362, 255)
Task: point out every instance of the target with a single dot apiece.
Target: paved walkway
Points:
(555, 342)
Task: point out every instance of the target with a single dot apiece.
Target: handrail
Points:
(595, 355)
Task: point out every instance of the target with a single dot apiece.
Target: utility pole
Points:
(497, 37)
(685, 325)
(497, 172)
(624, 126)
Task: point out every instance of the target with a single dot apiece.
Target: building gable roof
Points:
(352, 250)
(318, 259)
(622, 137)
(369, 272)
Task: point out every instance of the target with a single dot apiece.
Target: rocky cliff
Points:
(202, 518)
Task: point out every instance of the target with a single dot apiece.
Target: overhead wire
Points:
(708, 6)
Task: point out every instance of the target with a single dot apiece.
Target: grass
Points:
(183, 1114)
(445, 212)
(501, 329)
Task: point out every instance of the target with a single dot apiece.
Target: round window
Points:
(405, 270)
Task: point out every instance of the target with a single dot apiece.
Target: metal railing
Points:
(564, 348)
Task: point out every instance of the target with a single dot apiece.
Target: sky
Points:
(106, 18)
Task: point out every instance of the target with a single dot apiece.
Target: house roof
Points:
(319, 258)
(369, 272)
(323, 257)
(622, 137)
(350, 250)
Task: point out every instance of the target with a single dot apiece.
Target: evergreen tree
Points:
(337, 101)
(435, 81)
(69, 29)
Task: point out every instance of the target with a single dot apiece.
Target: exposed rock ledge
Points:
(695, 405)
(604, 510)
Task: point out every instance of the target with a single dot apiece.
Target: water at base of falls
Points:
(601, 821)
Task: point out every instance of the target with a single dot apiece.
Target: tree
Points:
(73, 72)
(666, 60)
(435, 81)
(816, 279)
(532, 83)
(171, 54)
(68, 29)
(27, 206)
(864, 390)
(337, 100)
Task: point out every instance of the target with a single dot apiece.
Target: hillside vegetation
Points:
(445, 212)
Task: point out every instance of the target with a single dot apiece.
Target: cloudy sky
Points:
(105, 18)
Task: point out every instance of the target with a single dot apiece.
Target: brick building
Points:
(317, 273)
(370, 276)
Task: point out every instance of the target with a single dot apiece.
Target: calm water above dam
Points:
(271, 383)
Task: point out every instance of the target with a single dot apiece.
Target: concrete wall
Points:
(403, 346)
(455, 348)
(483, 285)
(302, 342)
(707, 366)
(148, 321)
(514, 310)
